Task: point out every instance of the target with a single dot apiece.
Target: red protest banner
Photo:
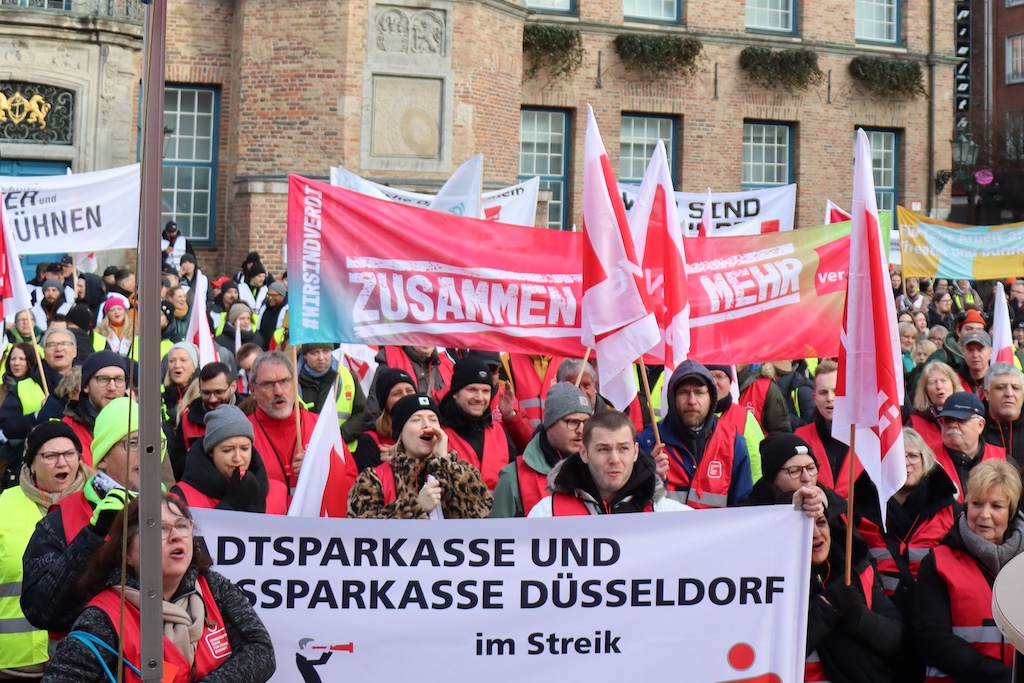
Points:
(370, 271)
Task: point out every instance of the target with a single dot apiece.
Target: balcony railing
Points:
(121, 10)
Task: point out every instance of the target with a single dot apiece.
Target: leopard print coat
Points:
(463, 493)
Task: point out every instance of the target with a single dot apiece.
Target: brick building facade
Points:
(402, 91)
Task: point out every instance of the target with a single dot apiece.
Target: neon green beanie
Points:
(118, 419)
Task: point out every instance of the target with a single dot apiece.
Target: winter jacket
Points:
(474, 431)
(194, 421)
(798, 393)
(774, 415)
(1009, 437)
(202, 475)
(252, 652)
(52, 567)
(314, 390)
(853, 641)
(537, 460)
(687, 447)
(571, 477)
(227, 338)
(932, 630)
(463, 493)
(421, 367)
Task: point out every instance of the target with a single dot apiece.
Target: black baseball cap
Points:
(962, 405)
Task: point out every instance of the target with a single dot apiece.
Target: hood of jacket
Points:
(95, 291)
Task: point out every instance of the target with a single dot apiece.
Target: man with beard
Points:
(977, 345)
(466, 417)
(222, 304)
(272, 315)
(432, 372)
(1004, 387)
(709, 465)
(52, 303)
(272, 381)
(524, 482)
(217, 387)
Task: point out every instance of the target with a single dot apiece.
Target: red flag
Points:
(617, 321)
(324, 469)
(199, 332)
(654, 223)
(869, 389)
(833, 214)
(1002, 338)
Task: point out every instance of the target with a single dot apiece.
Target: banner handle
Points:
(650, 403)
(579, 375)
(298, 397)
(849, 505)
(39, 361)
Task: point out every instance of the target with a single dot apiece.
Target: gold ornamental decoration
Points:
(17, 109)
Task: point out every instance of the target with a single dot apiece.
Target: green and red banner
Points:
(368, 271)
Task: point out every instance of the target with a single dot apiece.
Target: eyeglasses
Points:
(60, 344)
(210, 393)
(572, 424)
(913, 458)
(53, 456)
(184, 527)
(132, 444)
(698, 393)
(104, 381)
(269, 386)
(794, 472)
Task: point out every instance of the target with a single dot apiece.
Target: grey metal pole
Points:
(150, 570)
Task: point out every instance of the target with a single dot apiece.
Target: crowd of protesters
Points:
(456, 433)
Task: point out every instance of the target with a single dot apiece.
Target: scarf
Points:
(989, 554)
(183, 620)
(45, 499)
(113, 324)
(306, 370)
(181, 311)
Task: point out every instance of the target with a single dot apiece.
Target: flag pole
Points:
(74, 266)
(579, 375)
(650, 403)
(298, 397)
(39, 361)
(850, 459)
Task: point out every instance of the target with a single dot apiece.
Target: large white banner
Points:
(710, 596)
(732, 213)
(73, 213)
(515, 205)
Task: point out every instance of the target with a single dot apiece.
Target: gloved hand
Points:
(847, 601)
(105, 512)
(243, 493)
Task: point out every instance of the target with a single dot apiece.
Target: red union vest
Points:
(946, 463)
(531, 389)
(921, 539)
(753, 398)
(397, 358)
(734, 417)
(212, 650)
(839, 481)
(378, 439)
(709, 487)
(495, 456)
(970, 607)
(929, 431)
(533, 485)
(564, 505)
(190, 430)
(84, 435)
(75, 514)
(193, 497)
(387, 482)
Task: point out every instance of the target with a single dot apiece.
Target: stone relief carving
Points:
(410, 31)
(393, 31)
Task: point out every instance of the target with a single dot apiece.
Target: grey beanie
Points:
(53, 282)
(224, 422)
(565, 398)
(278, 287)
(237, 310)
(190, 349)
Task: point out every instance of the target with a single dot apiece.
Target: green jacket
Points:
(507, 500)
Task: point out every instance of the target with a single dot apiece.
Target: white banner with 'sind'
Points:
(732, 213)
(722, 593)
(73, 213)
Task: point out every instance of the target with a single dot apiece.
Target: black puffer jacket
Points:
(854, 642)
(252, 652)
(201, 474)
